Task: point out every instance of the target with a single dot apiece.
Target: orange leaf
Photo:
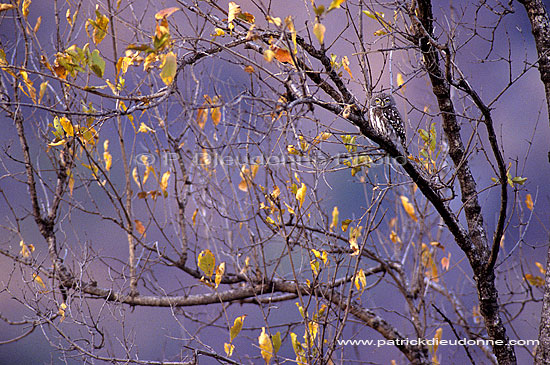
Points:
(529, 202)
(140, 228)
(202, 115)
(282, 55)
(409, 208)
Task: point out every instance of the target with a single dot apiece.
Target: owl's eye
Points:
(387, 100)
(377, 101)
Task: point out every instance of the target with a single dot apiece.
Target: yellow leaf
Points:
(360, 281)
(234, 10)
(319, 31)
(335, 215)
(136, 176)
(539, 265)
(26, 250)
(290, 26)
(42, 91)
(314, 264)
(228, 348)
(380, 32)
(108, 160)
(354, 234)
(140, 228)
(529, 202)
(401, 81)
(268, 55)
(38, 280)
(165, 13)
(276, 21)
(143, 128)
(207, 262)
(202, 115)
(218, 32)
(236, 328)
(67, 126)
(409, 208)
(219, 273)
(68, 17)
(249, 69)
(301, 194)
(61, 311)
(373, 16)
(437, 338)
(100, 25)
(335, 4)
(276, 339)
(25, 7)
(164, 182)
(4, 7)
(37, 25)
(345, 224)
(266, 346)
(169, 67)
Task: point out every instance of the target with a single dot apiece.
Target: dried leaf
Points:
(165, 13)
(202, 116)
(345, 64)
(38, 279)
(360, 281)
(140, 228)
(164, 183)
(37, 24)
(409, 208)
(61, 311)
(219, 273)
(249, 69)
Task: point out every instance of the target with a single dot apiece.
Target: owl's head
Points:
(381, 101)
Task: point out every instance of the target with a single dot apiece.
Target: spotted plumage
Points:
(385, 118)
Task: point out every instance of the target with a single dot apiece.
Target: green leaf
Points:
(276, 339)
(519, 180)
(169, 68)
(100, 26)
(97, 64)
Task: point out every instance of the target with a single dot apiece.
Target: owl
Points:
(385, 118)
